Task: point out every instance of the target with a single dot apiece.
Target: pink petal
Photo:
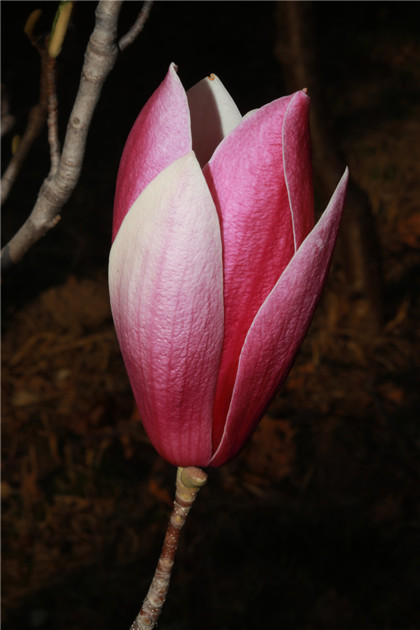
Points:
(160, 135)
(298, 167)
(214, 115)
(279, 329)
(167, 301)
(249, 180)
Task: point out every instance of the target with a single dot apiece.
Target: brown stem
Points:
(7, 119)
(36, 121)
(53, 118)
(188, 482)
(100, 57)
(137, 27)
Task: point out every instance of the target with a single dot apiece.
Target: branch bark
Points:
(137, 27)
(100, 57)
(7, 119)
(188, 482)
(36, 121)
(53, 118)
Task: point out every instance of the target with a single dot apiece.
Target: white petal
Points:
(214, 115)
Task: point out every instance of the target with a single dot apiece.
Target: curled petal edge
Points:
(279, 328)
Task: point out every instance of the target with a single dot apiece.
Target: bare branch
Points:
(7, 120)
(188, 482)
(53, 118)
(100, 57)
(137, 27)
(36, 121)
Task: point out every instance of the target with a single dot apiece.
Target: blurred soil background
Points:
(316, 525)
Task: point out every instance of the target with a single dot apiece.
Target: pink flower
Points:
(215, 269)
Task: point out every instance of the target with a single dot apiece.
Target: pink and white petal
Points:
(279, 329)
(247, 180)
(166, 287)
(160, 135)
(298, 166)
(214, 115)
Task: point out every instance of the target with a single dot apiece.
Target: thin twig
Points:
(7, 119)
(53, 118)
(188, 482)
(100, 57)
(36, 121)
(137, 27)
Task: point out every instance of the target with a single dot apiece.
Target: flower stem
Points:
(188, 482)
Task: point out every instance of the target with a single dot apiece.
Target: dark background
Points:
(315, 525)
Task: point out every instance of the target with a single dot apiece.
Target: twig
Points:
(36, 121)
(52, 118)
(188, 482)
(7, 120)
(137, 27)
(100, 57)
